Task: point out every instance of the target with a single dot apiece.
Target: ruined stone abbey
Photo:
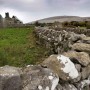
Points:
(10, 22)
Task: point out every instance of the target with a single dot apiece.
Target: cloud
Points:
(28, 10)
(25, 5)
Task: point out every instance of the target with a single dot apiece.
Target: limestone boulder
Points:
(75, 37)
(10, 78)
(81, 47)
(85, 72)
(61, 65)
(39, 78)
(79, 57)
(86, 40)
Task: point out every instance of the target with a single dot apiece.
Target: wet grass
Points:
(18, 47)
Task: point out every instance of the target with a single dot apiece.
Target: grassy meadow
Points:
(18, 47)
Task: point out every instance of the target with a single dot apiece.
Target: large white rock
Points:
(63, 66)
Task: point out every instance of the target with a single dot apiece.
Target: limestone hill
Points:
(63, 18)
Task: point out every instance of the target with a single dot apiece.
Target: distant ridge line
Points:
(63, 19)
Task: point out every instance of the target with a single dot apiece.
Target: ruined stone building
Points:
(1, 21)
(10, 22)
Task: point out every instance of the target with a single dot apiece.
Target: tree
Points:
(65, 24)
(37, 23)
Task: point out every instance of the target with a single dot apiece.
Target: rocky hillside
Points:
(64, 18)
(68, 68)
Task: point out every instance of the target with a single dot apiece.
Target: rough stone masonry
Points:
(68, 68)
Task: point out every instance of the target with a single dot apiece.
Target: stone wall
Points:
(67, 44)
(67, 70)
(57, 72)
(75, 30)
(57, 41)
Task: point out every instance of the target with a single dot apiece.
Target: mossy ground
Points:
(18, 47)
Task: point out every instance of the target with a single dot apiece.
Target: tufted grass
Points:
(18, 47)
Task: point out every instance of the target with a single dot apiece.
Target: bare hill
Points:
(63, 18)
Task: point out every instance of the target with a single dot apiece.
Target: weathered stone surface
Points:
(62, 66)
(86, 40)
(75, 37)
(78, 67)
(68, 86)
(86, 72)
(81, 47)
(59, 87)
(10, 78)
(60, 38)
(38, 78)
(81, 57)
(84, 84)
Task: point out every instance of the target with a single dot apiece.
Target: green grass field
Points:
(18, 47)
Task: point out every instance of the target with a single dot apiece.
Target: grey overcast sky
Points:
(30, 10)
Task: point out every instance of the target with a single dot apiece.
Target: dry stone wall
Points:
(67, 70)
(72, 45)
(75, 30)
(57, 41)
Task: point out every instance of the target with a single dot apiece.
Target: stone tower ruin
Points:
(10, 22)
(7, 15)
